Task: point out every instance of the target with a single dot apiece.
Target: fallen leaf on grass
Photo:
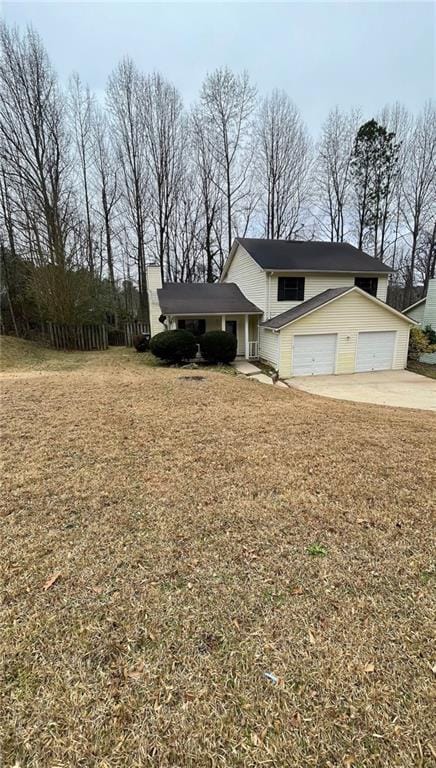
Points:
(136, 672)
(349, 761)
(370, 667)
(134, 675)
(311, 636)
(49, 583)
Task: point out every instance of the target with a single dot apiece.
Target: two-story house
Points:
(306, 308)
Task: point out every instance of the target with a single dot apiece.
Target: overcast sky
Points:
(322, 54)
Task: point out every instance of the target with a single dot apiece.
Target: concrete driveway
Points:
(401, 389)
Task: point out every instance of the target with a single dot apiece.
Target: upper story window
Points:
(290, 289)
(368, 284)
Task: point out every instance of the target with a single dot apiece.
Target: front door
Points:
(231, 326)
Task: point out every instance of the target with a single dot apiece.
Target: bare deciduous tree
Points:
(81, 107)
(206, 172)
(227, 102)
(283, 162)
(419, 194)
(165, 132)
(107, 187)
(33, 137)
(333, 171)
(124, 98)
(36, 161)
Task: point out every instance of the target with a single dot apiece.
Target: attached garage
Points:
(342, 330)
(314, 354)
(375, 351)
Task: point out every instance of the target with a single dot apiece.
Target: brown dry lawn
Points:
(180, 518)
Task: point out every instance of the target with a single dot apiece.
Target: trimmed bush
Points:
(174, 346)
(218, 347)
(141, 342)
(418, 343)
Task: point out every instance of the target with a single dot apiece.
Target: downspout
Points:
(268, 291)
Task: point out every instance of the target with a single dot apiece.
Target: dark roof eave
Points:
(228, 312)
(334, 271)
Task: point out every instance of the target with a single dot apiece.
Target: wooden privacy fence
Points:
(86, 337)
(83, 337)
(133, 329)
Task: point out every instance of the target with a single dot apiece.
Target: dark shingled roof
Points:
(310, 256)
(307, 306)
(204, 299)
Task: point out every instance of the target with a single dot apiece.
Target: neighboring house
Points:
(306, 308)
(424, 310)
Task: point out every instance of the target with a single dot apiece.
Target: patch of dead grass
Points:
(178, 519)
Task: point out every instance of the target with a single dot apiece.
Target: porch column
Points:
(246, 337)
(223, 322)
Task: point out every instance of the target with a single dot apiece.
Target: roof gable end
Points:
(319, 302)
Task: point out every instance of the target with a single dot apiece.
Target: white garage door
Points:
(375, 351)
(314, 354)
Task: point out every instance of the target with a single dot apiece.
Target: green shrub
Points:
(141, 342)
(431, 335)
(218, 347)
(174, 346)
(418, 343)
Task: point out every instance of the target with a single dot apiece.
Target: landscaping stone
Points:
(263, 378)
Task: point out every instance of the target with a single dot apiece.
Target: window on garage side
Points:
(368, 284)
(290, 289)
(196, 325)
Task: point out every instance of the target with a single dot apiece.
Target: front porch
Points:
(243, 326)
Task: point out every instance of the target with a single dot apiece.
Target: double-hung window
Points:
(290, 289)
(368, 284)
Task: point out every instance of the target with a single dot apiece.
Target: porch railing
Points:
(253, 350)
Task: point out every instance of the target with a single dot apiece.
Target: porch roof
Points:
(204, 299)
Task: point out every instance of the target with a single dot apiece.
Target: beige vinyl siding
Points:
(248, 276)
(313, 285)
(382, 288)
(346, 316)
(269, 346)
(154, 281)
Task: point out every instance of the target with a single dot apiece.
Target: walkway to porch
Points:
(253, 372)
